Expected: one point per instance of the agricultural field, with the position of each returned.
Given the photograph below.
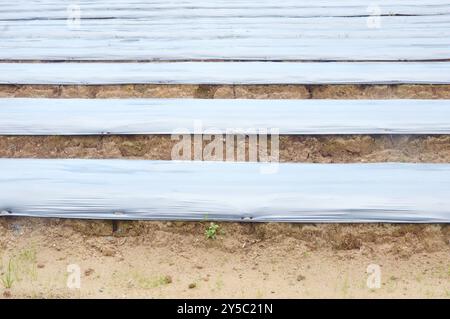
(120, 175)
(234, 260)
(126, 259)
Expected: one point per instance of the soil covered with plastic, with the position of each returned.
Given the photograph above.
(39, 257)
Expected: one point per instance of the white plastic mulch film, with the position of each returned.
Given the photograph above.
(171, 116)
(94, 42)
(266, 30)
(87, 73)
(231, 191)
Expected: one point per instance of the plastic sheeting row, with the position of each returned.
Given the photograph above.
(229, 191)
(196, 116)
(268, 30)
(226, 73)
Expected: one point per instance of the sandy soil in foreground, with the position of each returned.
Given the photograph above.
(175, 259)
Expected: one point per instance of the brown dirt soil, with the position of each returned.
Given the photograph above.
(397, 91)
(162, 259)
(315, 149)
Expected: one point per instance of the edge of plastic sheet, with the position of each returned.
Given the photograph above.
(226, 73)
(235, 116)
(225, 191)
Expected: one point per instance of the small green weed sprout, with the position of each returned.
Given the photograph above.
(211, 231)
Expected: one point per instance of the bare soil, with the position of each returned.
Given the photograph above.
(311, 149)
(397, 91)
(164, 259)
